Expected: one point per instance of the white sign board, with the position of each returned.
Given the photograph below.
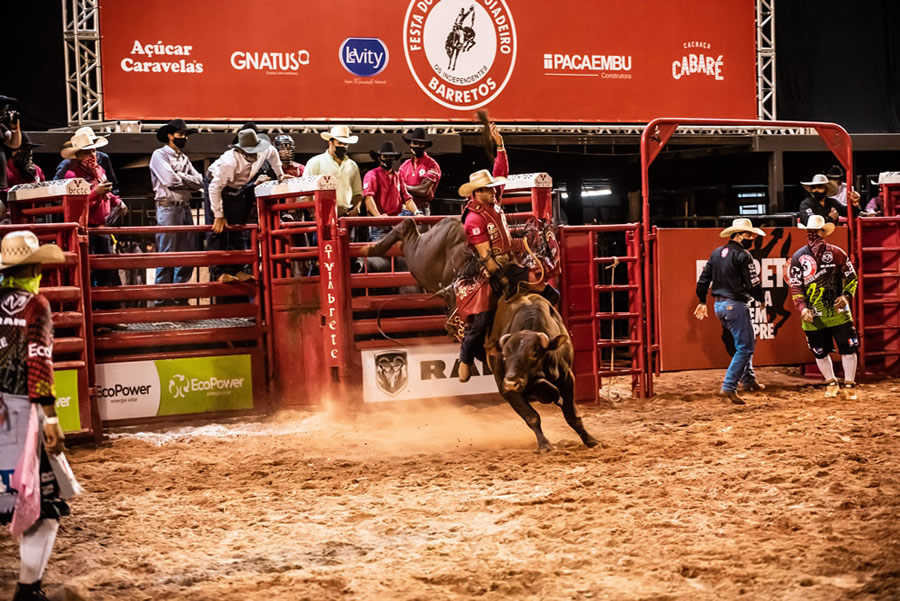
(419, 372)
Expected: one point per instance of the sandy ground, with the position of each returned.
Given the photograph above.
(791, 497)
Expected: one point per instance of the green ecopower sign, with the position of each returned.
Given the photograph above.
(66, 383)
(139, 389)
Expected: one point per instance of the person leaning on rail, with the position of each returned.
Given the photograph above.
(823, 282)
(384, 190)
(421, 173)
(820, 201)
(735, 281)
(174, 179)
(32, 484)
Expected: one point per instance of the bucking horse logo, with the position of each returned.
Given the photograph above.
(461, 38)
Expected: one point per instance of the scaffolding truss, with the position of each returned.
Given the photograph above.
(84, 86)
(765, 60)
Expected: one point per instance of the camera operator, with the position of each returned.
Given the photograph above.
(10, 136)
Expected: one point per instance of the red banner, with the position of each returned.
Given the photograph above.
(686, 343)
(571, 60)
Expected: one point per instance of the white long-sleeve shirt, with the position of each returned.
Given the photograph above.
(172, 175)
(233, 170)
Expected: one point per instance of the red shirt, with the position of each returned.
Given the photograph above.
(99, 203)
(16, 177)
(293, 169)
(387, 189)
(413, 171)
(488, 223)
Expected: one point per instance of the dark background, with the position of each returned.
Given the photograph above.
(836, 60)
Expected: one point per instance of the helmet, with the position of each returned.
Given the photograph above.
(285, 146)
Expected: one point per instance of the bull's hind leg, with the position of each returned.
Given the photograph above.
(397, 233)
(567, 390)
(531, 417)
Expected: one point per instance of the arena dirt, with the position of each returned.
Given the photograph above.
(791, 497)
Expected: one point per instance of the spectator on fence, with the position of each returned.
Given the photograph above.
(10, 135)
(820, 201)
(384, 190)
(33, 482)
(228, 196)
(421, 173)
(174, 179)
(81, 152)
(334, 161)
(284, 144)
(735, 281)
(823, 282)
(20, 168)
(102, 159)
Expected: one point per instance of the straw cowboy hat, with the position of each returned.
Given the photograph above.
(817, 222)
(741, 225)
(84, 139)
(23, 248)
(173, 126)
(251, 142)
(341, 133)
(821, 180)
(480, 179)
(386, 149)
(418, 135)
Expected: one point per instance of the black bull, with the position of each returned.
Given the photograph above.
(530, 354)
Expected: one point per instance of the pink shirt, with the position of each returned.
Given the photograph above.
(16, 177)
(413, 171)
(387, 189)
(99, 203)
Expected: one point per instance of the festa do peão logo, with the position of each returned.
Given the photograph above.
(460, 52)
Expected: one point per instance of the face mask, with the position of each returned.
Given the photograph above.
(819, 196)
(24, 161)
(90, 162)
(418, 151)
(340, 151)
(179, 142)
(387, 164)
(747, 243)
(30, 284)
(816, 242)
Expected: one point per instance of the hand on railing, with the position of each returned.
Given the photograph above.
(219, 225)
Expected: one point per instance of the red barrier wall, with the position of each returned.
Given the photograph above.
(690, 344)
(605, 60)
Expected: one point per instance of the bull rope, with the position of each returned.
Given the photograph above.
(381, 331)
(611, 395)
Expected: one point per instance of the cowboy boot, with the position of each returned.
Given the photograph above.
(465, 372)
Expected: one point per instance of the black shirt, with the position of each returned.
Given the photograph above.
(732, 273)
(810, 207)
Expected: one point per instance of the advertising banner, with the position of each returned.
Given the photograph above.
(137, 389)
(420, 372)
(566, 61)
(686, 343)
(66, 383)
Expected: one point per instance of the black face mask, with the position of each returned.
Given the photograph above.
(387, 164)
(418, 151)
(747, 243)
(819, 196)
(340, 151)
(179, 142)
(24, 161)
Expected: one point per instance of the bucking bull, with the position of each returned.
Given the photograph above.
(528, 349)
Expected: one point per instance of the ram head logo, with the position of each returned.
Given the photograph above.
(391, 374)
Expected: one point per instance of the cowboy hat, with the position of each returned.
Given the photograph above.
(480, 179)
(817, 222)
(173, 126)
(4, 100)
(821, 180)
(22, 248)
(418, 135)
(834, 172)
(741, 225)
(84, 139)
(250, 142)
(341, 133)
(387, 149)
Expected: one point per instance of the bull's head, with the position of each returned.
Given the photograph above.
(523, 354)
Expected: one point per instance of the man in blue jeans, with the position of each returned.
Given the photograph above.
(735, 281)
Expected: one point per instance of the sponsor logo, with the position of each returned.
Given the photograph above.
(180, 385)
(460, 52)
(14, 303)
(809, 267)
(697, 62)
(827, 257)
(13, 321)
(273, 63)
(145, 58)
(63, 401)
(365, 57)
(119, 391)
(39, 350)
(605, 66)
(391, 372)
(724, 253)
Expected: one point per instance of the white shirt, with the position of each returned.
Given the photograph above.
(172, 175)
(349, 184)
(233, 170)
(841, 195)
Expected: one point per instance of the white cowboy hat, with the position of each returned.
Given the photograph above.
(23, 248)
(817, 222)
(741, 225)
(821, 180)
(480, 179)
(84, 139)
(341, 133)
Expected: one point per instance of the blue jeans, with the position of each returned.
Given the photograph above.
(735, 316)
(166, 243)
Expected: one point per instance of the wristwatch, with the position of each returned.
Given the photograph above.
(52, 420)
